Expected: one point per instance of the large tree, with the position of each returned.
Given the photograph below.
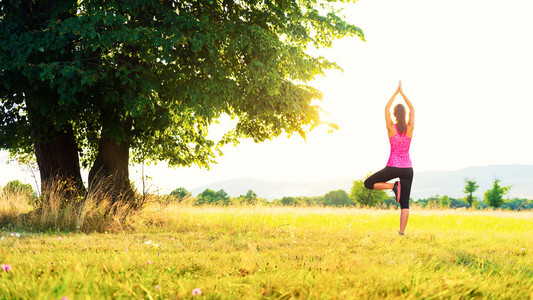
(105, 83)
(37, 113)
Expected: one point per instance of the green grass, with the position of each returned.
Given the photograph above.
(278, 253)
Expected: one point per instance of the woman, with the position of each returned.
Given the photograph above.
(399, 164)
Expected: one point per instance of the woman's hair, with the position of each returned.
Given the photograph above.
(399, 113)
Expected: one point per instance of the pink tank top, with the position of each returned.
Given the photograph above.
(399, 151)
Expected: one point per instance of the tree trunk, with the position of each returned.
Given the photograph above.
(59, 163)
(109, 175)
(56, 152)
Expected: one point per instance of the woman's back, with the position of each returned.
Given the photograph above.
(399, 150)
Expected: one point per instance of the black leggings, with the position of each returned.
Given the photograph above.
(388, 173)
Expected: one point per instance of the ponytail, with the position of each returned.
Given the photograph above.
(399, 113)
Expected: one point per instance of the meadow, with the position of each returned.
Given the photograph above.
(181, 251)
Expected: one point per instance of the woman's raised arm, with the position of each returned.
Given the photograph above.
(388, 119)
(411, 122)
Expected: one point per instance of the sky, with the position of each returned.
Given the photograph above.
(466, 65)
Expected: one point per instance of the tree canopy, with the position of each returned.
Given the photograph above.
(92, 82)
(337, 198)
(209, 196)
(17, 188)
(494, 196)
(470, 187)
(249, 198)
(180, 193)
(364, 196)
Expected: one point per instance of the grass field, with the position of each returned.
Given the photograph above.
(277, 253)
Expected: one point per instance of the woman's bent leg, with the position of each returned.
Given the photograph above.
(378, 180)
(383, 186)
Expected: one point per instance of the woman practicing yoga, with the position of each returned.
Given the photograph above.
(399, 164)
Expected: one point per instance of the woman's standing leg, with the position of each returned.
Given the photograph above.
(406, 180)
(378, 181)
(404, 217)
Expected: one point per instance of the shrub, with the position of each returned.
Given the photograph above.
(180, 194)
(338, 198)
(19, 189)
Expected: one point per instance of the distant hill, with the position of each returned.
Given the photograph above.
(425, 184)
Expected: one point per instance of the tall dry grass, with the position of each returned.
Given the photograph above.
(13, 203)
(100, 211)
(58, 210)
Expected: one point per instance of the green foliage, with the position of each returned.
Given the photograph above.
(211, 197)
(364, 196)
(28, 163)
(517, 204)
(289, 201)
(470, 187)
(20, 189)
(444, 201)
(494, 196)
(480, 205)
(158, 74)
(390, 202)
(432, 202)
(458, 203)
(180, 193)
(337, 198)
(309, 201)
(298, 201)
(250, 198)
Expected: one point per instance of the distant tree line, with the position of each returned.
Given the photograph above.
(338, 198)
(359, 196)
(362, 197)
(211, 197)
